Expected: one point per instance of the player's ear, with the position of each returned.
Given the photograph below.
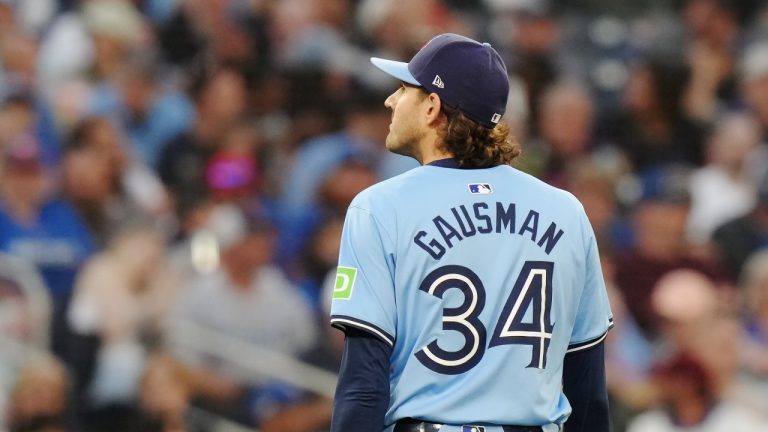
(433, 108)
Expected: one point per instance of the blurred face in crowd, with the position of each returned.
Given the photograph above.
(710, 22)
(756, 95)
(24, 185)
(595, 190)
(164, 390)
(686, 301)
(536, 34)
(224, 98)
(105, 138)
(86, 176)
(754, 284)
(7, 18)
(566, 120)
(91, 171)
(40, 392)
(16, 117)
(19, 56)
(691, 309)
(660, 226)
(256, 249)
(735, 138)
(333, 12)
(639, 94)
(138, 92)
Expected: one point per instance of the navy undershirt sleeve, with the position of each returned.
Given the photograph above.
(584, 386)
(362, 392)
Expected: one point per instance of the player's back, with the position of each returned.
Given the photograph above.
(488, 268)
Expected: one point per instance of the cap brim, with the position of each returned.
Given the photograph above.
(397, 69)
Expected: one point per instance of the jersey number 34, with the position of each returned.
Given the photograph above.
(533, 289)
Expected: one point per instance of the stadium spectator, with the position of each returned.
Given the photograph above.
(628, 356)
(146, 109)
(565, 132)
(220, 100)
(725, 187)
(659, 219)
(651, 127)
(200, 33)
(696, 375)
(40, 399)
(695, 317)
(250, 299)
(233, 173)
(754, 286)
(20, 90)
(691, 403)
(21, 112)
(121, 301)
(166, 390)
(738, 238)
(90, 43)
(753, 71)
(106, 186)
(40, 228)
(594, 181)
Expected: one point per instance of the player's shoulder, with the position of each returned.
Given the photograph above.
(543, 190)
(387, 191)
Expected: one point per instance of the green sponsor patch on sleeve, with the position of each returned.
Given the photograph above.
(345, 280)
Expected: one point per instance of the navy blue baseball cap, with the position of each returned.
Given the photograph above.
(467, 75)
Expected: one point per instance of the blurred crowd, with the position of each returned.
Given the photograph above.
(166, 163)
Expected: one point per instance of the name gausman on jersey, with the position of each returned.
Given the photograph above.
(482, 218)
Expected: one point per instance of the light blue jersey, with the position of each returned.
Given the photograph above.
(481, 280)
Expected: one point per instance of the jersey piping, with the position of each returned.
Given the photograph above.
(342, 321)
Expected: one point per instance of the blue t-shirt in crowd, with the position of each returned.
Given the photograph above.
(170, 114)
(57, 243)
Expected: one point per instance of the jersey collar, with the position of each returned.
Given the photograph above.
(449, 163)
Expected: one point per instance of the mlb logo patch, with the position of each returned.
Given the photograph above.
(472, 429)
(480, 188)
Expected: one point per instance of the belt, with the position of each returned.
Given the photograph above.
(413, 425)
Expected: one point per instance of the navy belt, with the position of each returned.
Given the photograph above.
(413, 425)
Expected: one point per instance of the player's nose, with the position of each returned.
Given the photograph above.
(390, 101)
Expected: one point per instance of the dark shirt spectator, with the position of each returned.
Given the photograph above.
(220, 100)
(650, 127)
(737, 239)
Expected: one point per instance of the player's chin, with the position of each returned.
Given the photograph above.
(391, 143)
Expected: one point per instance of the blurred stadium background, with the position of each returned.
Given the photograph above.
(174, 176)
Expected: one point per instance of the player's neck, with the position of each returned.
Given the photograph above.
(432, 152)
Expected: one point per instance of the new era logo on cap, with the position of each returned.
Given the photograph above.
(438, 82)
(495, 118)
(472, 429)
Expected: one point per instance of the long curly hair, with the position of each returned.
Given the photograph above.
(476, 146)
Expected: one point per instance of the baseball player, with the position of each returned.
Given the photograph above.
(470, 293)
